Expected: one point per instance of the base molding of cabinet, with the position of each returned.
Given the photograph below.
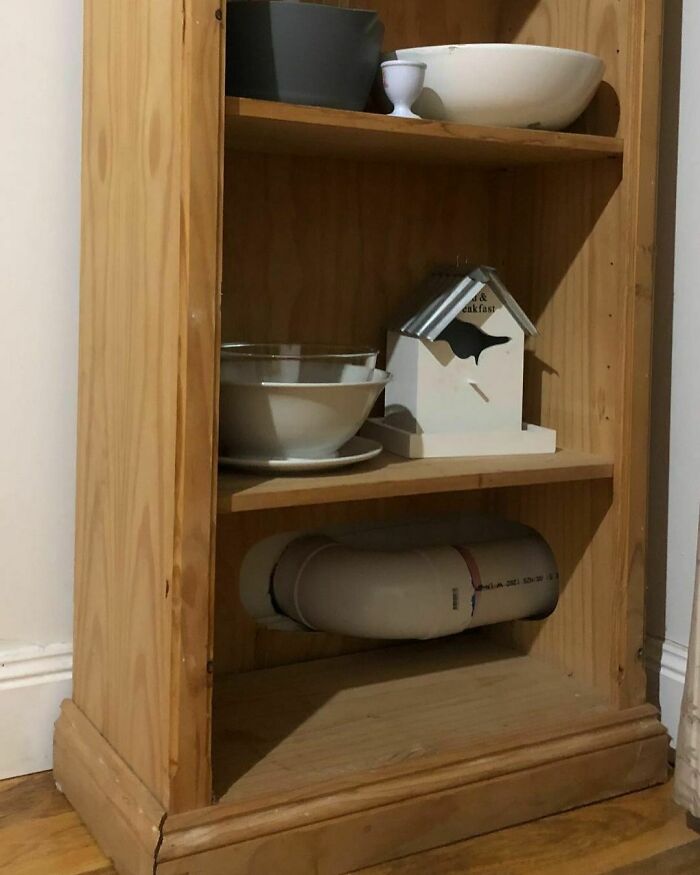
(338, 832)
(124, 818)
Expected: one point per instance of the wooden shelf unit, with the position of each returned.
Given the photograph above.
(198, 741)
(391, 476)
(279, 128)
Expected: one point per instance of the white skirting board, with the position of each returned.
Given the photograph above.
(34, 680)
(666, 668)
(533, 439)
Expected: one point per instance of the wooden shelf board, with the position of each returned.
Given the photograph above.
(269, 127)
(305, 729)
(389, 476)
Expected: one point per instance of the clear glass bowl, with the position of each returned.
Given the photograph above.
(247, 363)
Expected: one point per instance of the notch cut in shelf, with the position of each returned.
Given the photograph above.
(282, 128)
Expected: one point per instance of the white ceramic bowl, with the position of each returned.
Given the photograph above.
(294, 420)
(505, 85)
(296, 363)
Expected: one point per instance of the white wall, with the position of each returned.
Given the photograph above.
(684, 477)
(40, 96)
(675, 484)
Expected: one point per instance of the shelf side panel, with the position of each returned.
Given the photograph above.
(128, 378)
(321, 249)
(198, 393)
(147, 316)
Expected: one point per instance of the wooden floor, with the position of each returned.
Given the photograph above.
(641, 834)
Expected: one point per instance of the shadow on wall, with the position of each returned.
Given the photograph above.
(663, 334)
(513, 17)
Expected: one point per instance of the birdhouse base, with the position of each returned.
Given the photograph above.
(531, 440)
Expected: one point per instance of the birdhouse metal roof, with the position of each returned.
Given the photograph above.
(448, 291)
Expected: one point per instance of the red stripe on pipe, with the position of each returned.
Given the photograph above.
(470, 561)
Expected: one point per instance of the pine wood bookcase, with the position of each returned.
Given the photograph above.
(197, 742)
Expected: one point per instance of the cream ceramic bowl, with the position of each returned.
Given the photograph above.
(505, 85)
(294, 420)
(296, 363)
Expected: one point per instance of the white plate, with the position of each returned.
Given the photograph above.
(357, 449)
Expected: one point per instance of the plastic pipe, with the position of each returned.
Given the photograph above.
(430, 593)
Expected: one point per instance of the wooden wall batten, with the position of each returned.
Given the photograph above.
(151, 183)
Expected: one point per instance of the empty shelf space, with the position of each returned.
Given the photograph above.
(269, 127)
(390, 476)
(339, 723)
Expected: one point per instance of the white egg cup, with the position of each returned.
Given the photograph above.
(403, 83)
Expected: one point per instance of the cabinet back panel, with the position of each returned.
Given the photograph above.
(560, 250)
(327, 250)
(433, 22)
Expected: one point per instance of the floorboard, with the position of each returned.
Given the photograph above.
(601, 839)
(640, 834)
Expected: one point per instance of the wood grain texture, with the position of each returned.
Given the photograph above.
(127, 417)
(641, 172)
(557, 233)
(498, 756)
(59, 845)
(640, 834)
(337, 247)
(678, 861)
(576, 520)
(147, 397)
(285, 730)
(569, 263)
(329, 249)
(391, 476)
(40, 833)
(270, 128)
(192, 594)
(119, 810)
(324, 249)
(412, 23)
(335, 846)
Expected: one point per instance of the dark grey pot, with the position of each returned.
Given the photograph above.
(302, 53)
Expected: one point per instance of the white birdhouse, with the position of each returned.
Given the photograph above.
(457, 367)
